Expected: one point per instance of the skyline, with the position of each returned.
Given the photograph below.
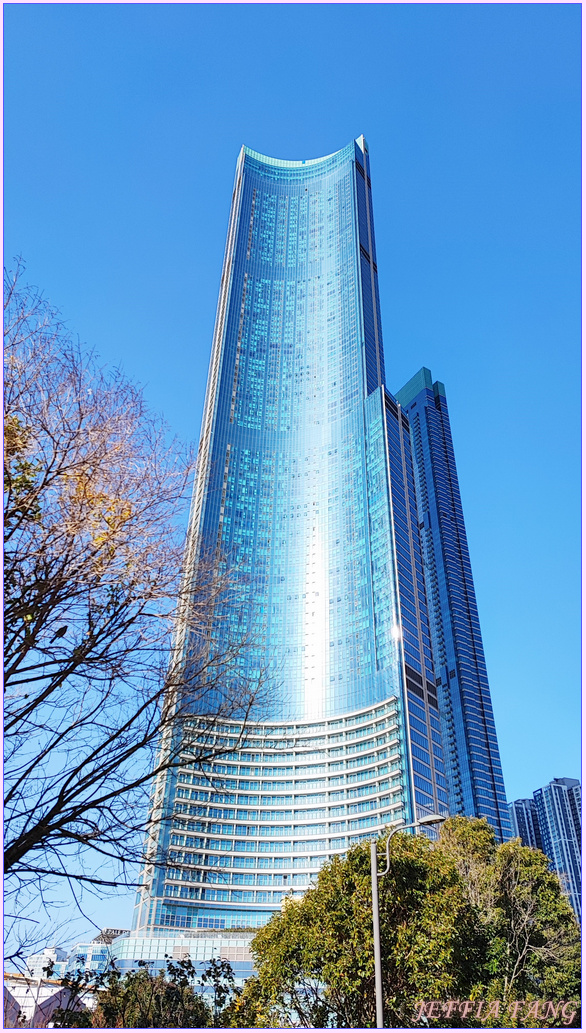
(455, 272)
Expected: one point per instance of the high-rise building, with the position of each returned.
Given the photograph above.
(559, 812)
(525, 823)
(471, 752)
(306, 487)
(305, 484)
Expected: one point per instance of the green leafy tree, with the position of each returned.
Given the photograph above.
(81, 984)
(218, 975)
(532, 935)
(315, 958)
(462, 919)
(250, 1008)
(139, 999)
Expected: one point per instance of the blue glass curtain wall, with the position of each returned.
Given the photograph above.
(286, 502)
(305, 490)
(473, 767)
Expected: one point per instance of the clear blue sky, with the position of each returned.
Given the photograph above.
(122, 128)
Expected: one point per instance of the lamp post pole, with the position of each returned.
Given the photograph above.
(378, 969)
(375, 875)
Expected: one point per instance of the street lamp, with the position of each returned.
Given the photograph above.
(375, 875)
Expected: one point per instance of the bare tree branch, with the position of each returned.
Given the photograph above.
(113, 668)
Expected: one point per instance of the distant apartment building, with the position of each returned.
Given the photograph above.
(552, 821)
(525, 823)
(49, 962)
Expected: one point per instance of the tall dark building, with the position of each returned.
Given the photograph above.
(473, 766)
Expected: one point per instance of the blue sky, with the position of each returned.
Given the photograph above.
(122, 127)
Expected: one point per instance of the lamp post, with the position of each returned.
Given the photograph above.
(375, 875)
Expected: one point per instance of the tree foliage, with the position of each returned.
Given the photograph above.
(462, 919)
(219, 978)
(138, 999)
(533, 943)
(252, 1008)
(99, 615)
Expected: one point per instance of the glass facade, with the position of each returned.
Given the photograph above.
(199, 947)
(307, 490)
(283, 489)
(525, 823)
(559, 813)
(473, 766)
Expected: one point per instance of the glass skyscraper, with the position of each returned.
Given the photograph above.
(559, 813)
(472, 759)
(306, 487)
(525, 823)
(552, 822)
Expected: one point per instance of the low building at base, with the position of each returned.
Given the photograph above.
(32, 1002)
(198, 945)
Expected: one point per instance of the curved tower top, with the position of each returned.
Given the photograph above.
(306, 163)
(281, 490)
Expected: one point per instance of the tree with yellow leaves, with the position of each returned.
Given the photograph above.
(97, 694)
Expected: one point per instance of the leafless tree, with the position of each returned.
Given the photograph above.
(102, 680)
